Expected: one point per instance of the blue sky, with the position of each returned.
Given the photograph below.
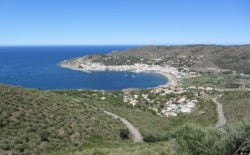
(98, 22)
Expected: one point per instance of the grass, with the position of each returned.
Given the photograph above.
(236, 105)
(158, 148)
(217, 80)
(151, 124)
(39, 121)
(55, 122)
(188, 139)
(144, 119)
(194, 140)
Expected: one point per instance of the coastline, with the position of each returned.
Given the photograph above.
(172, 80)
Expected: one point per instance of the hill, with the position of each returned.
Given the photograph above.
(185, 134)
(33, 121)
(196, 56)
(178, 118)
(64, 122)
(202, 58)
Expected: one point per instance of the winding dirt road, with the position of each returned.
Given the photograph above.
(137, 137)
(219, 109)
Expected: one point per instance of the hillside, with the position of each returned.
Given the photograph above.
(236, 105)
(200, 56)
(196, 57)
(142, 115)
(172, 135)
(49, 122)
(74, 121)
(162, 113)
(33, 121)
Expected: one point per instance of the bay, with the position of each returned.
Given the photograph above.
(36, 67)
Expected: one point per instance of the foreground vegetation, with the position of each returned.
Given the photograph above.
(146, 120)
(38, 121)
(193, 139)
(64, 122)
(162, 148)
(198, 136)
(236, 105)
(189, 139)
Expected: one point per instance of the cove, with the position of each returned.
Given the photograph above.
(36, 67)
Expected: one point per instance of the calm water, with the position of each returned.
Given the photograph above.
(36, 67)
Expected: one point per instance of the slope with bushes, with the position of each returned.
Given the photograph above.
(148, 123)
(236, 105)
(196, 56)
(38, 121)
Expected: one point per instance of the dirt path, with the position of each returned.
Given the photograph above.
(136, 135)
(219, 109)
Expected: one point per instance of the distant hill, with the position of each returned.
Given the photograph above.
(33, 121)
(203, 56)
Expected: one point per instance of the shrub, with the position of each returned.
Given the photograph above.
(44, 135)
(150, 138)
(124, 133)
(194, 139)
(20, 147)
(5, 146)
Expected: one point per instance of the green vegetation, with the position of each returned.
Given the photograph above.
(145, 119)
(33, 121)
(195, 140)
(217, 80)
(158, 148)
(236, 105)
(201, 58)
(151, 124)
(124, 134)
(234, 59)
(195, 56)
(188, 139)
(72, 122)
(64, 122)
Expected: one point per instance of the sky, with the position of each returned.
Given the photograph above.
(124, 22)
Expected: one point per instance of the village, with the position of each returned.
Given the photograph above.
(170, 99)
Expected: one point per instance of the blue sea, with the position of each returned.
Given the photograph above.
(36, 67)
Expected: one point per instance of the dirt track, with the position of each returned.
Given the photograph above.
(137, 137)
(219, 109)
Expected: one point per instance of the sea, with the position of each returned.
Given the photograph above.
(36, 67)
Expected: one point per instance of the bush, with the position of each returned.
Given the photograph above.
(20, 147)
(5, 146)
(124, 134)
(195, 140)
(44, 135)
(165, 137)
(150, 138)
